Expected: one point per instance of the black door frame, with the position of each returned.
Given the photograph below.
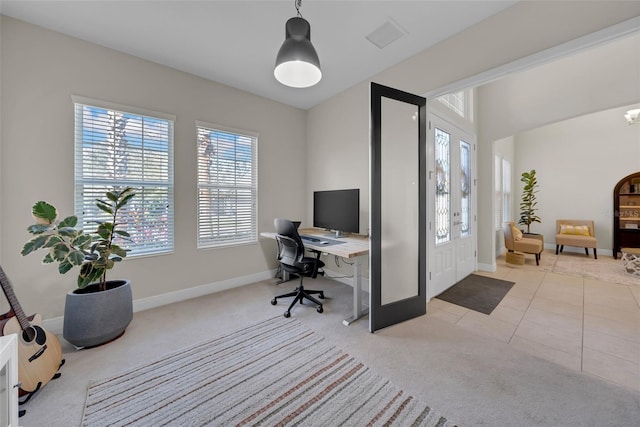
(381, 316)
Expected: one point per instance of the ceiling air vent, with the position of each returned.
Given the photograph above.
(385, 34)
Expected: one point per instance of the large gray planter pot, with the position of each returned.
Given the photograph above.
(93, 317)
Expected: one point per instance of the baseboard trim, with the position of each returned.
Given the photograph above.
(578, 250)
(55, 325)
(487, 267)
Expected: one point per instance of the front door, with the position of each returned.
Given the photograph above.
(452, 215)
(398, 207)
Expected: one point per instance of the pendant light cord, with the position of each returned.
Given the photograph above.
(298, 4)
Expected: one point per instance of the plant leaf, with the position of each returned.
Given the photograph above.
(39, 228)
(88, 274)
(64, 267)
(76, 257)
(59, 252)
(117, 250)
(105, 207)
(112, 195)
(82, 241)
(125, 200)
(33, 244)
(43, 212)
(52, 241)
(70, 221)
(122, 233)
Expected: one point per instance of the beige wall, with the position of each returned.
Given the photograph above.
(40, 71)
(597, 79)
(596, 82)
(522, 30)
(578, 162)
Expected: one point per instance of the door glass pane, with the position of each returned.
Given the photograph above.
(443, 194)
(465, 189)
(400, 192)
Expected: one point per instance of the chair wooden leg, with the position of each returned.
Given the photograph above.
(537, 259)
(557, 247)
(595, 253)
(586, 251)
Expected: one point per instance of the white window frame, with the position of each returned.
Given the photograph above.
(164, 215)
(460, 102)
(504, 196)
(507, 194)
(210, 232)
(497, 171)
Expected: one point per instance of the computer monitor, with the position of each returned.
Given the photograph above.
(337, 210)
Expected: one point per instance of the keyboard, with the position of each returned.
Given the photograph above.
(309, 239)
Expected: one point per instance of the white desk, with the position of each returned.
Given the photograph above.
(355, 248)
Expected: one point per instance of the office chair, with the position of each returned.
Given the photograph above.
(292, 260)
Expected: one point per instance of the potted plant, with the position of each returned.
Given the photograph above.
(528, 205)
(99, 310)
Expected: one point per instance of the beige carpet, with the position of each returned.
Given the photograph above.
(473, 380)
(276, 372)
(574, 264)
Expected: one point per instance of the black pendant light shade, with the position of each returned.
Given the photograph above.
(297, 63)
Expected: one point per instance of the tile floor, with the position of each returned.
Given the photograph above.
(589, 325)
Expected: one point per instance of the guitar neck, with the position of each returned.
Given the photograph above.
(13, 300)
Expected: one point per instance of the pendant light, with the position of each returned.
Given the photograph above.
(297, 63)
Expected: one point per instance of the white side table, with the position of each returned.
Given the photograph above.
(631, 260)
(9, 381)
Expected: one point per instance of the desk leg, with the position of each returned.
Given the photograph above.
(358, 312)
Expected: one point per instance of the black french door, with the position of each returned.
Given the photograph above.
(398, 207)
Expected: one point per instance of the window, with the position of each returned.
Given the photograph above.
(503, 191)
(443, 178)
(460, 103)
(506, 191)
(116, 148)
(227, 186)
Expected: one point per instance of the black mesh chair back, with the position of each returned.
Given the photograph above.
(291, 250)
(291, 253)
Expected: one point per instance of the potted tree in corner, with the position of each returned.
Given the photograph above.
(528, 205)
(99, 310)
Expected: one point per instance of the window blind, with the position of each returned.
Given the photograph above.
(115, 149)
(227, 186)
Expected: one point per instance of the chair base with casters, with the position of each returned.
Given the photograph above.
(300, 294)
(291, 253)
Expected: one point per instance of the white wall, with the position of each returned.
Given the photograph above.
(578, 162)
(40, 70)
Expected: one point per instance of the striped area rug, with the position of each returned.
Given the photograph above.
(274, 373)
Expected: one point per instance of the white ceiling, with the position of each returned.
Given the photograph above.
(236, 42)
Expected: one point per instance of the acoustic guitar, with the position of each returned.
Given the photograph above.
(39, 351)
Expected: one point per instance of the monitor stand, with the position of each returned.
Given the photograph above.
(339, 234)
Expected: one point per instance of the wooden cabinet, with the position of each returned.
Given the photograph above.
(626, 213)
